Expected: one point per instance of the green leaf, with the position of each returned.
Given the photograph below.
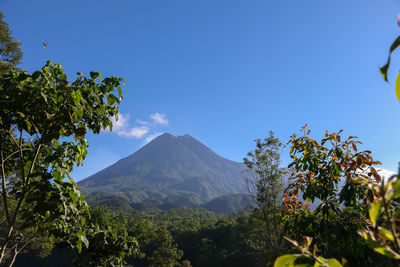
(397, 86)
(52, 239)
(384, 69)
(333, 263)
(119, 93)
(328, 262)
(83, 220)
(386, 234)
(374, 212)
(286, 260)
(387, 252)
(396, 188)
(79, 246)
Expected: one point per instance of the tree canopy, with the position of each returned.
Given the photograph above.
(10, 51)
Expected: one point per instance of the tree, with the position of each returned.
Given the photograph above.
(264, 183)
(165, 253)
(324, 172)
(43, 122)
(108, 238)
(10, 51)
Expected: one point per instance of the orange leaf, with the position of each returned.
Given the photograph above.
(354, 147)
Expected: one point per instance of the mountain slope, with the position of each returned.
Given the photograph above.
(228, 203)
(169, 166)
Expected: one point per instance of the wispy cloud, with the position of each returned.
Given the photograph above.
(142, 122)
(123, 128)
(159, 118)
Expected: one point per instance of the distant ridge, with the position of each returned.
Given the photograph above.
(169, 166)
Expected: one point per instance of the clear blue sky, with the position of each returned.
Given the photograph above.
(225, 72)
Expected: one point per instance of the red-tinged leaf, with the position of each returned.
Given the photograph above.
(354, 147)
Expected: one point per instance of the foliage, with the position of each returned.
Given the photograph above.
(264, 183)
(385, 68)
(324, 172)
(157, 246)
(383, 232)
(289, 260)
(10, 51)
(165, 253)
(43, 122)
(109, 241)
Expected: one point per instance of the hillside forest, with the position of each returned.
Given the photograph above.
(334, 208)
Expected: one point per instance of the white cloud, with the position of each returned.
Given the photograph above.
(142, 122)
(121, 123)
(123, 128)
(385, 173)
(159, 118)
(136, 132)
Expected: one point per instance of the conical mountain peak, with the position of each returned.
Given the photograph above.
(169, 165)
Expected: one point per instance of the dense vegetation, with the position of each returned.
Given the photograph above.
(45, 220)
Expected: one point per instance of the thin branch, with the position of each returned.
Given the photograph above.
(15, 152)
(26, 184)
(19, 146)
(4, 190)
(3, 249)
(26, 243)
(15, 255)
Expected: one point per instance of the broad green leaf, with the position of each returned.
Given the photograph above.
(387, 252)
(396, 188)
(386, 234)
(317, 264)
(286, 260)
(397, 86)
(374, 212)
(328, 262)
(333, 263)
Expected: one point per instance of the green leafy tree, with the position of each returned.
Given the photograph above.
(265, 186)
(324, 172)
(109, 241)
(43, 122)
(165, 253)
(10, 51)
(382, 234)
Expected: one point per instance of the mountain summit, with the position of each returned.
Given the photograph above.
(169, 166)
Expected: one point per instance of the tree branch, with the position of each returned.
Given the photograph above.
(26, 184)
(4, 190)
